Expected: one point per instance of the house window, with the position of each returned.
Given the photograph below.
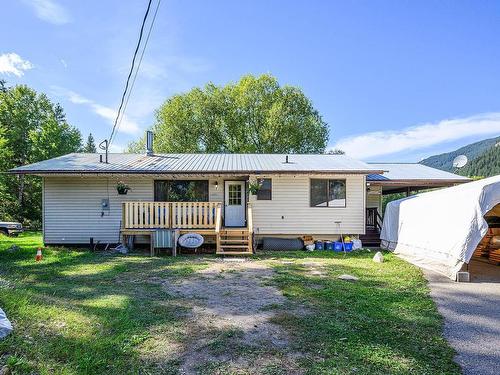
(234, 195)
(265, 189)
(328, 193)
(181, 191)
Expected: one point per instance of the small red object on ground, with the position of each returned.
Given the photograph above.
(39, 254)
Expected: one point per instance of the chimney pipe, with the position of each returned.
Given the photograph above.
(149, 143)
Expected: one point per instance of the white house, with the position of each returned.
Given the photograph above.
(318, 195)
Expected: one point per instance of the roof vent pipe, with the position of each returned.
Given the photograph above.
(286, 159)
(149, 143)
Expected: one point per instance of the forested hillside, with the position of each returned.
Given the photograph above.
(485, 165)
(472, 151)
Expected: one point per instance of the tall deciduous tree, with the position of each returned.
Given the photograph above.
(32, 128)
(90, 145)
(253, 115)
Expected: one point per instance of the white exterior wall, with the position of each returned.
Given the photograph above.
(374, 198)
(72, 207)
(289, 211)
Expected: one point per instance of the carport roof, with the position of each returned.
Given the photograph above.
(412, 172)
(399, 177)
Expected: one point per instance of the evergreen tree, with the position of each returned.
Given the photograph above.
(90, 145)
(486, 165)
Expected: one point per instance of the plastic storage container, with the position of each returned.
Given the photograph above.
(329, 245)
(337, 246)
(320, 245)
(348, 246)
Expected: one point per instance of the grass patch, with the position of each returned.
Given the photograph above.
(385, 323)
(82, 312)
(78, 312)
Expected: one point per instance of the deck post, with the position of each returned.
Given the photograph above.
(218, 224)
(250, 226)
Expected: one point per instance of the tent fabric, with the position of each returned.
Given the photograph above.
(440, 230)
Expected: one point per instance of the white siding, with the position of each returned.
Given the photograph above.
(289, 211)
(72, 207)
(374, 198)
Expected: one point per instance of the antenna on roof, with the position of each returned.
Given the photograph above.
(459, 162)
(104, 146)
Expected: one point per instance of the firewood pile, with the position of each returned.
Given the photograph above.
(489, 247)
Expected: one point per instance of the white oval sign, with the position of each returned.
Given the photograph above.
(191, 240)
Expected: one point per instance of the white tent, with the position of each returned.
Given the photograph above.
(440, 230)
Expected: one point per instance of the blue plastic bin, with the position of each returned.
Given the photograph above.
(337, 246)
(348, 246)
(320, 245)
(329, 245)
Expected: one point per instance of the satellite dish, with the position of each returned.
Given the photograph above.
(459, 161)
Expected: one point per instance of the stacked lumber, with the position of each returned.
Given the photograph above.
(494, 256)
(482, 250)
(489, 247)
(494, 247)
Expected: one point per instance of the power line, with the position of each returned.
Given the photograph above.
(138, 67)
(130, 73)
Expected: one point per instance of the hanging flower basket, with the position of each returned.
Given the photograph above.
(253, 188)
(122, 188)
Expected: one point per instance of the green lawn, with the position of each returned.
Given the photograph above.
(78, 312)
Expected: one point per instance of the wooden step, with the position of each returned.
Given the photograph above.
(233, 240)
(234, 246)
(234, 253)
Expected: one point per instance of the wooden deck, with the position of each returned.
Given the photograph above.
(204, 218)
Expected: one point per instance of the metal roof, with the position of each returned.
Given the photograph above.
(198, 163)
(411, 172)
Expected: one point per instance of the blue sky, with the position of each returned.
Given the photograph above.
(395, 80)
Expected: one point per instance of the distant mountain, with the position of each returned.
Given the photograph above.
(485, 165)
(473, 151)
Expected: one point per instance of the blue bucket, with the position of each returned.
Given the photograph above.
(337, 246)
(320, 245)
(348, 246)
(328, 245)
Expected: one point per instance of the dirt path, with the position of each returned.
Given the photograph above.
(229, 329)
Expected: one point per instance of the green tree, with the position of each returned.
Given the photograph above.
(32, 128)
(253, 115)
(90, 145)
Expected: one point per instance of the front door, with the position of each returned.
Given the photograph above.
(234, 203)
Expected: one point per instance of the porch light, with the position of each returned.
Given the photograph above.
(216, 185)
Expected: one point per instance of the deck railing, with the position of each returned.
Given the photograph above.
(188, 215)
(373, 218)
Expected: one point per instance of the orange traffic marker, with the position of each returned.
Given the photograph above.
(39, 254)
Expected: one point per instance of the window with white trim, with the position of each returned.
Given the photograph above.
(328, 193)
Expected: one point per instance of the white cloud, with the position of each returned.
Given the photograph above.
(50, 11)
(126, 126)
(172, 66)
(12, 63)
(373, 144)
(117, 148)
(64, 63)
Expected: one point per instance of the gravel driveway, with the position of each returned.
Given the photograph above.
(472, 318)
